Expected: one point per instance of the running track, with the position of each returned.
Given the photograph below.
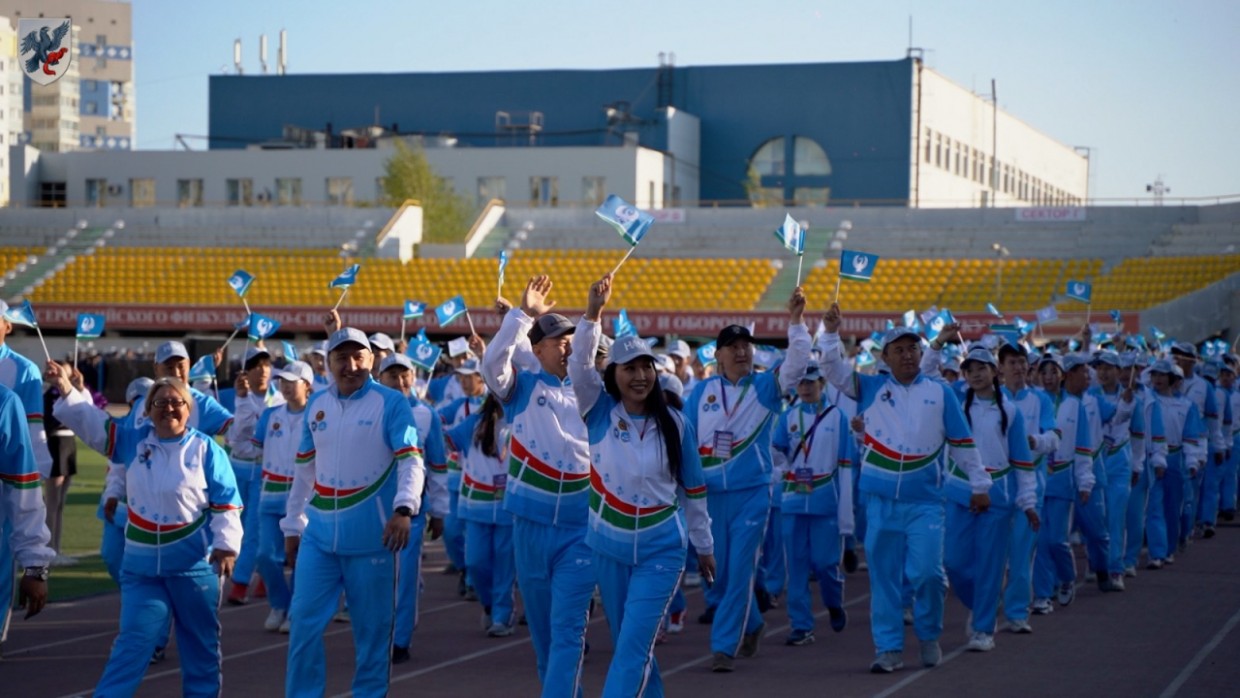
(1174, 632)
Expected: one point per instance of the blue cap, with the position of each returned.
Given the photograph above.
(346, 335)
(137, 388)
(1108, 357)
(254, 353)
(382, 341)
(468, 367)
(395, 360)
(981, 354)
(1184, 349)
(951, 364)
(812, 373)
(899, 333)
(1210, 369)
(628, 348)
(296, 371)
(171, 350)
(1051, 359)
(1072, 361)
(671, 383)
(1128, 359)
(1166, 366)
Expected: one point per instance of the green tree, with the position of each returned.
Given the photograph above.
(407, 175)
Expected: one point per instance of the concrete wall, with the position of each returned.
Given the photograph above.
(1198, 315)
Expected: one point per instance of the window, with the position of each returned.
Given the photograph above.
(189, 192)
(779, 180)
(491, 188)
(288, 191)
(808, 158)
(927, 156)
(339, 191)
(544, 192)
(593, 190)
(91, 108)
(141, 192)
(240, 192)
(769, 160)
(96, 192)
(52, 194)
(938, 150)
(810, 196)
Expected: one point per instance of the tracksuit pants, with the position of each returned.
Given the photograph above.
(1211, 490)
(738, 523)
(250, 485)
(1118, 491)
(1134, 530)
(270, 560)
(555, 570)
(368, 582)
(1189, 496)
(1022, 547)
(492, 567)
(773, 566)
(1053, 566)
(7, 579)
(454, 528)
(1091, 518)
(1227, 489)
(409, 583)
(975, 555)
(812, 545)
(146, 605)
(904, 541)
(1166, 503)
(636, 598)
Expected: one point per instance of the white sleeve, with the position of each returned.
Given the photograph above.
(410, 481)
(1026, 489)
(797, 358)
(497, 360)
(845, 506)
(587, 383)
(833, 366)
(114, 482)
(294, 521)
(77, 411)
(242, 430)
(932, 362)
(699, 524)
(437, 493)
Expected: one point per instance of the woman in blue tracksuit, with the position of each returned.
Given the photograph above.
(1186, 454)
(481, 439)
(647, 495)
(816, 503)
(183, 500)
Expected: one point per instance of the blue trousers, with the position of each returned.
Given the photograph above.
(7, 584)
(738, 522)
(492, 567)
(1053, 564)
(1022, 546)
(1118, 491)
(250, 484)
(636, 598)
(773, 566)
(904, 541)
(555, 569)
(454, 531)
(1190, 497)
(975, 555)
(1091, 517)
(409, 584)
(368, 582)
(812, 545)
(1134, 529)
(146, 605)
(270, 560)
(1211, 490)
(1166, 503)
(1227, 489)
(112, 550)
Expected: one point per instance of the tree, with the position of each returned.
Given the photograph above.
(407, 175)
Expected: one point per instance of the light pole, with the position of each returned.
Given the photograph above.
(1000, 253)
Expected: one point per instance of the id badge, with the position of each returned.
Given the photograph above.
(723, 445)
(500, 482)
(804, 478)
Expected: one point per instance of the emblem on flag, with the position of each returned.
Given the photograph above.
(347, 278)
(857, 266)
(413, 309)
(89, 326)
(706, 354)
(203, 369)
(622, 325)
(423, 353)
(450, 310)
(240, 282)
(1080, 291)
(631, 223)
(792, 235)
(21, 315)
(1048, 314)
(261, 327)
(46, 48)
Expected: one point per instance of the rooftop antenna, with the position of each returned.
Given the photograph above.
(262, 52)
(237, 57)
(282, 54)
(1159, 189)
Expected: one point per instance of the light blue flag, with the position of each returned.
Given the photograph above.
(990, 308)
(203, 369)
(1008, 333)
(423, 353)
(1022, 324)
(792, 235)
(240, 282)
(89, 326)
(706, 353)
(631, 223)
(450, 310)
(421, 335)
(857, 266)
(890, 326)
(1074, 344)
(503, 264)
(290, 351)
(1137, 342)
(928, 315)
(1048, 314)
(1080, 291)
(865, 358)
(413, 309)
(909, 319)
(261, 327)
(935, 327)
(622, 326)
(1158, 334)
(347, 278)
(1117, 317)
(21, 315)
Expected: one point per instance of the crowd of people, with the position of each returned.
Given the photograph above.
(953, 465)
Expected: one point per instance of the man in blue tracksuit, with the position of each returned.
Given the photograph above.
(1201, 393)
(910, 420)
(1117, 457)
(1227, 489)
(732, 414)
(356, 487)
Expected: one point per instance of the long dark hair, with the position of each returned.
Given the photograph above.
(488, 421)
(968, 402)
(657, 408)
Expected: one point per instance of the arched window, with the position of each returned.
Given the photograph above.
(789, 169)
(769, 160)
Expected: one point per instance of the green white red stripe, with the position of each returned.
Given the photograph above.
(477, 491)
(21, 481)
(336, 498)
(147, 532)
(884, 457)
(707, 453)
(273, 482)
(540, 475)
(621, 514)
(695, 492)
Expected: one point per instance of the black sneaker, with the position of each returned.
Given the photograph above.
(1207, 531)
(764, 599)
(1227, 514)
(400, 655)
(750, 642)
(721, 663)
(462, 587)
(708, 616)
(798, 638)
(158, 656)
(850, 561)
(839, 618)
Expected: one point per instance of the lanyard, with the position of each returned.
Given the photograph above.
(807, 437)
(723, 391)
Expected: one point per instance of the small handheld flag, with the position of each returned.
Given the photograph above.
(935, 327)
(290, 351)
(855, 266)
(865, 358)
(345, 280)
(928, 315)
(890, 326)
(503, 264)
(89, 326)
(1080, 291)
(1021, 324)
(622, 326)
(450, 310)
(413, 309)
(631, 223)
(24, 315)
(261, 327)
(1158, 334)
(792, 236)
(423, 353)
(240, 282)
(1048, 314)
(203, 369)
(706, 353)
(909, 319)
(990, 308)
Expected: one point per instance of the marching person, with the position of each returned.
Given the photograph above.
(816, 506)
(1149, 454)
(1186, 455)
(177, 481)
(646, 490)
(732, 414)
(1227, 489)
(1216, 460)
(356, 487)
(547, 489)
(473, 392)
(1117, 455)
(21, 505)
(1202, 395)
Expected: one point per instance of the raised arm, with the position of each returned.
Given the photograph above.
(497, 362)
(799, 344)
(836, 370)
(587, 383)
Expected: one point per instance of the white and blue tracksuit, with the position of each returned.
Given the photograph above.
(976, 551)
(1071, 472)
(1201, 393)
(247, 462)
(547, 492)
(1186, 449)
(489, 552)
(1149, 452)
(358, 460)
(453, 414)
(815, 503)
(434, 504)
(183, 499)
(1038, 412)
(733, 426)
(641, 519)
(907, 429)
(1117, 461)
(21, 500)
(276, 435)
(112, 545)
(1213, 472)
(1227, 496)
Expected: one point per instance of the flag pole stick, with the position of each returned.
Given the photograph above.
(75, 350)
(246, 303)
(402, 327)
(341, 298)
(470, 320)
(623, 259)
(800, 259)
(47, 353)
(837, 287)
(1088, 308)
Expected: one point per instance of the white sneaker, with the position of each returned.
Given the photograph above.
(274, 620)
(1130, 571)
(1041, 607)
(342, 616)
(1020, 627)
(981, 642)
(284, 627)
(693, 580)
(499, 630)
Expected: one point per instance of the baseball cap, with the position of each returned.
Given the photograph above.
(663, 363)
(137, 388)
(980, 354)
(318, 349)
(252, 354)
(1107, 357)
(680, 348)
(733, 333)
(1009, 348)
(604, 345)
(380, 340)
(345, 335)
(952, 364)
(1051, 359)
(395, 360)
(1184, 349)
(628, 348)
(296, 371)
(1167, 367)
(812, 373)
(1072, 361)
(899, 333)
(1210, 369)
(671, 384)
(550, 326)
(469, 367)
(171, 350)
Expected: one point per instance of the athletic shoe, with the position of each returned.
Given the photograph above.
(1154, 565)
(1020, 627)
(285, 626)
(1207, 531)
(400, 655)
(1117, 582)
(750, 642)
(485, 619)
(1066, 593)
(764, 599)
(1104, 581)
(158, 656)
(693, 580)
(981, 642)
(274, 620)
(676, 622)
(850, 561)
(908, 616)
(708, 616)
(931, 653)
(1041, 607)
(661, 636)
(721, 663)
(342, 616)
(450, 569)
(236, 597)
(1227, 514)
(886, 662)
(799, 638)
(839, 618)
(1130, 571)
(499, 630)
(863, 566)
(775, 600)
(1169, 560)
(462, 587)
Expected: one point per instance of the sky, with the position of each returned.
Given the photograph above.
(1151, 88)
